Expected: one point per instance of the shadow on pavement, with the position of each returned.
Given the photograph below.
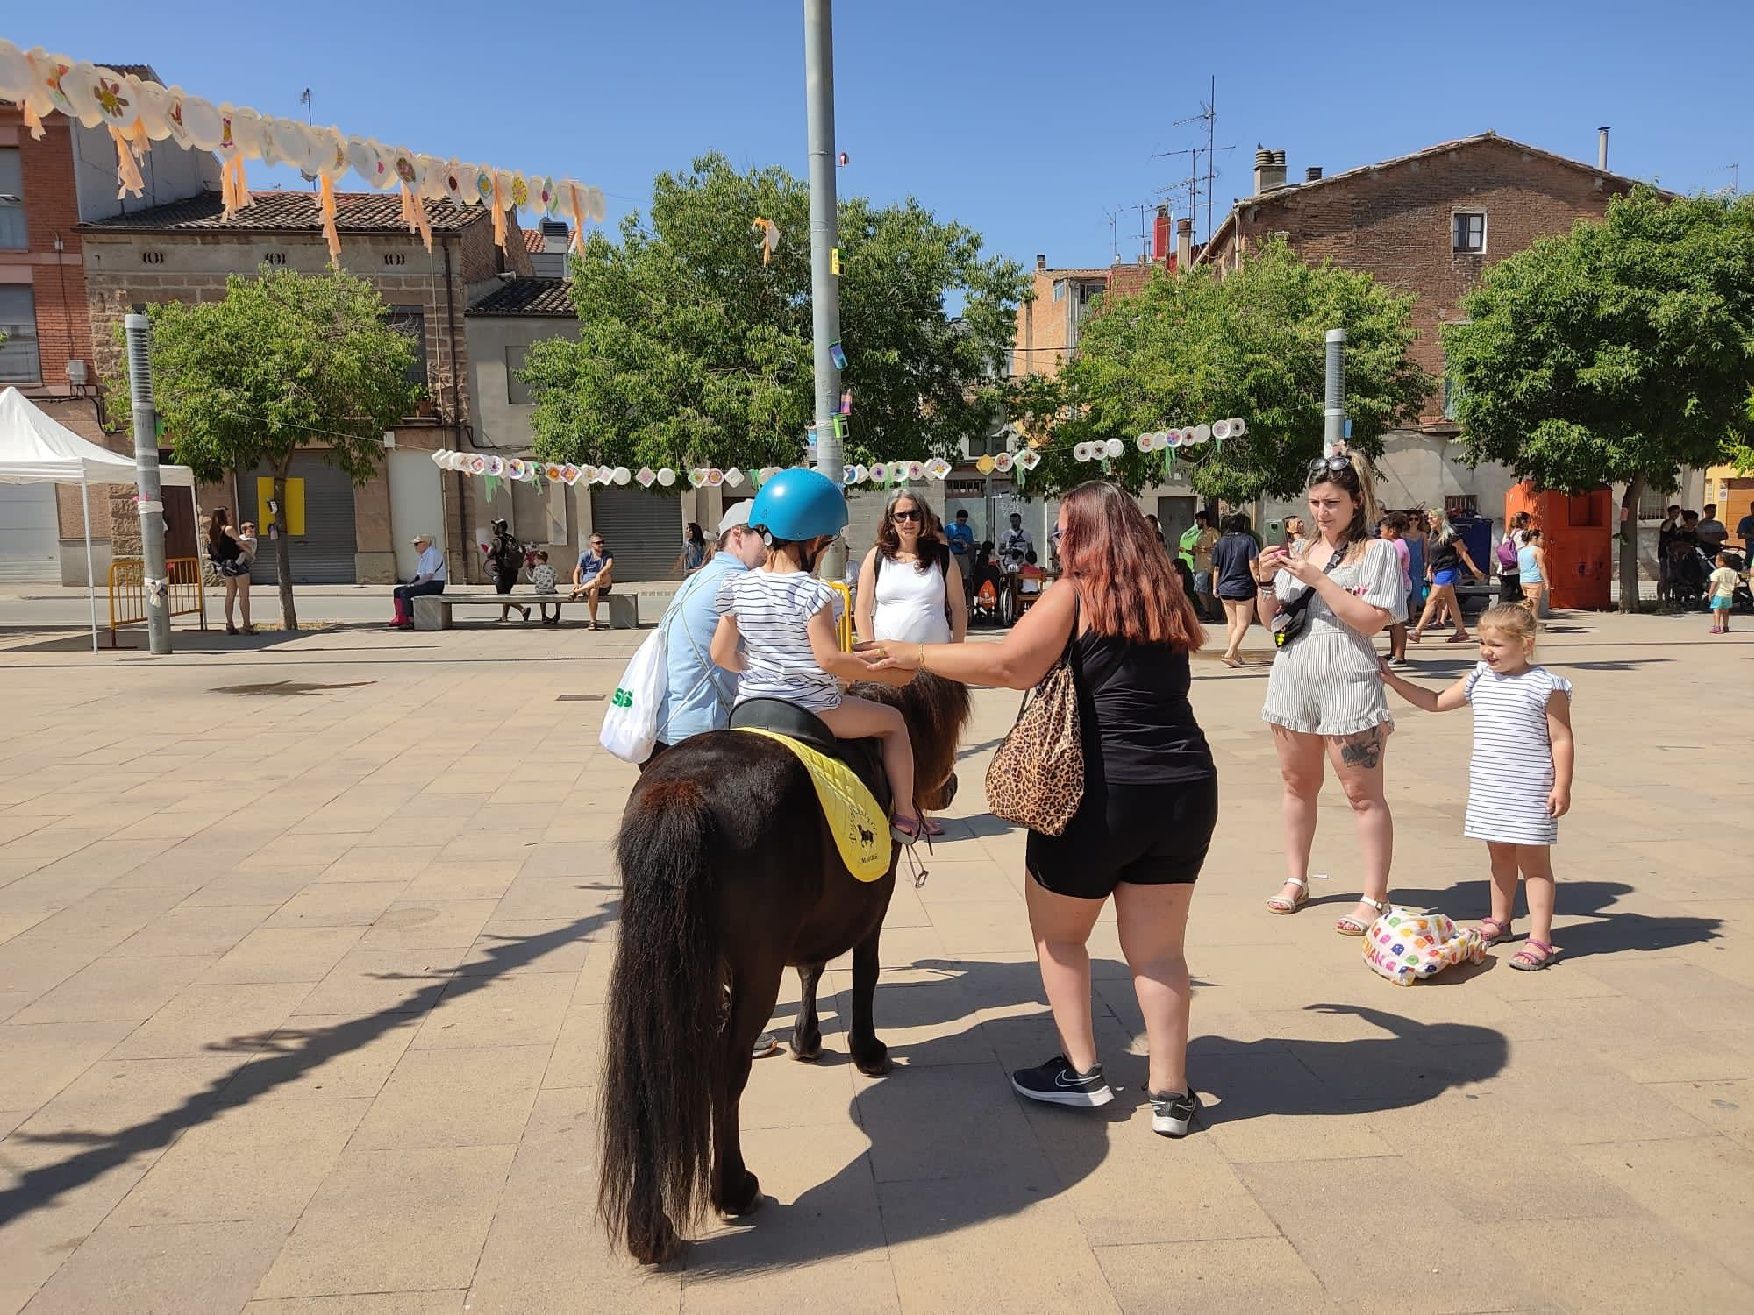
(1609, 933)
(941, 1166)
(269, 1060)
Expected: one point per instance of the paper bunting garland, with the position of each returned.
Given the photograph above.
(138, 112)
(770, 237)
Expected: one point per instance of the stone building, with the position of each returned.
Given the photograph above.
(1429, 222)
(49, 187)
(185, 251)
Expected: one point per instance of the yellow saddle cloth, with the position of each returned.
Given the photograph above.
(861, 831)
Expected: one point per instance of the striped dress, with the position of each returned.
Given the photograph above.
(773, 612)
(1325, 681)
(1512, 767)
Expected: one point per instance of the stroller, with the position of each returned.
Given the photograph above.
(1689, 571)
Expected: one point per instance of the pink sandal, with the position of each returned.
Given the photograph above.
(1534, 956)
(1494, 930)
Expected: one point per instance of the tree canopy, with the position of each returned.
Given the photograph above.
(1622, 351)
(692, 351)
(1199, 345)
(284, 362)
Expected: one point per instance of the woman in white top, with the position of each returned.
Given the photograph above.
(910, 589)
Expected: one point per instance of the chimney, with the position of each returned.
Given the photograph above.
(1602, 148)
(1313, 174)
(1184, 243)
(1269, 171)
(1160, 236)
(1041, 261)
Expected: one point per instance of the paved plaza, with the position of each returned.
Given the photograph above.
(304, 943)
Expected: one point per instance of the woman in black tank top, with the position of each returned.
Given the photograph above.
(1150, 801)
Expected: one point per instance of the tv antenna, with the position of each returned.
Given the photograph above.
(1208, 115)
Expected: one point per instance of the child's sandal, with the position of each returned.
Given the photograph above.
(1534, 956)
(1494, 930)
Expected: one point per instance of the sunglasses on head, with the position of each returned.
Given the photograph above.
(909, 515)
(1329, 465)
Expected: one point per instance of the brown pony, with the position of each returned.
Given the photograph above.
(729, 876)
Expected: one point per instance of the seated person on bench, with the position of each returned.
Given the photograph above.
(593, 576)
(776, 627)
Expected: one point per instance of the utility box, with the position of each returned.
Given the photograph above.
(1577, 530)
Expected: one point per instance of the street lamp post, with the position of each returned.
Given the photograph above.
(158, 604)
(824, 238)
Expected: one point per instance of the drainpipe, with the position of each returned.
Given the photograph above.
(457, 426)
(1602, 148)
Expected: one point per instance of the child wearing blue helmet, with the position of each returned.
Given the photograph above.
(776, 628)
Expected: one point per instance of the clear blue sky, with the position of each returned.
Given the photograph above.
(1026, 120)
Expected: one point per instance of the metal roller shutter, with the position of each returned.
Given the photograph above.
(30, 534)
(324, 553)
(643, 531)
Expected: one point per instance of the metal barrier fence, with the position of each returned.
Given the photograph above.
(128, 604)
(843, 631)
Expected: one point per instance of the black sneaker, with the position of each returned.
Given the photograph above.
(1172, 1112)
(1058, 1083)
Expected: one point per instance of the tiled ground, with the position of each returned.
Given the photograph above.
(300, 988)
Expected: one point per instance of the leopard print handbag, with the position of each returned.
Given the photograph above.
(1036, 777)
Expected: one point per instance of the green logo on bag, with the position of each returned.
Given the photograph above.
(623, 698)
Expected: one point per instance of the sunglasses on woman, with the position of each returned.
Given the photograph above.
(1329, 465)
(909, 515)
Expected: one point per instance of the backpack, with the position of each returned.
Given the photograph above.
(1507, 553)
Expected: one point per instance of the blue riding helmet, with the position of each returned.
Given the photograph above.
(799, 504)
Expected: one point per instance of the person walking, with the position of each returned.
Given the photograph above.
(505, 561)
(1142, 829)
(231, 562)
(1324, 698)
(1394, 531)
(1516, 534)
(1721, 584)
(909, 585)
(1532, 571)
(959, 534)
(1519, 780)
(430, 574)
(1448, 556)
(1233, 558)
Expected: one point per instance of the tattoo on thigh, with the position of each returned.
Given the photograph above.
(1364, 749)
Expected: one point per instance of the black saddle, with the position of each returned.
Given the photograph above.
(798, 723)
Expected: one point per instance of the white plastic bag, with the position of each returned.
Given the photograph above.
(630, 727)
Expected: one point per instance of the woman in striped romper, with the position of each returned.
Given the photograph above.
(1324, 699)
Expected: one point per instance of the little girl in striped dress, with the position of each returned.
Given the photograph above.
(1519, 781)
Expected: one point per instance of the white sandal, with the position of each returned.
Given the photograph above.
(1279, 904)
(1350, 926)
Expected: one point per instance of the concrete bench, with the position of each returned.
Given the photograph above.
(433, 611)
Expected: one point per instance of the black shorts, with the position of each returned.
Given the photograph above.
(1143, 835)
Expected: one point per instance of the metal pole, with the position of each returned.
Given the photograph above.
(824, 238)
(90, 578)
(1334, 399)
(158, 613)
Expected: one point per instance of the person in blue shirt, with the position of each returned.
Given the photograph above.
(593, 576)
(699, 694)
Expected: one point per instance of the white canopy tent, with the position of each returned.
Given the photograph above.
(37, 450)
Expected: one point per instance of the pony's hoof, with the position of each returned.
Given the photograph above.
(744, 1199)
(872, 1060)
(654, 1246)
(807, 1050)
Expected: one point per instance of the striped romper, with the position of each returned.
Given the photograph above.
(1325, 682)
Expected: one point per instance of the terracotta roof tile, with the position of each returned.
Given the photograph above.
(277, 211)
(527, 296)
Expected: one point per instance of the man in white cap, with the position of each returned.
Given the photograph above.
(700, 694)
(429, 578)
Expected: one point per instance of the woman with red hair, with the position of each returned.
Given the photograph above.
(1150, 799)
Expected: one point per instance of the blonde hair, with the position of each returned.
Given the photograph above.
(1512, 619)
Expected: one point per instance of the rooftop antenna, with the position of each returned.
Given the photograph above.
(304, 99)
(1114, 239)
(1208, 115)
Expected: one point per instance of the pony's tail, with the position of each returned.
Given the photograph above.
(665, 1006)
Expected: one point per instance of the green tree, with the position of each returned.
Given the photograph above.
(692, 351)
(286, 362)
(1202, 345)
(1622, 351)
